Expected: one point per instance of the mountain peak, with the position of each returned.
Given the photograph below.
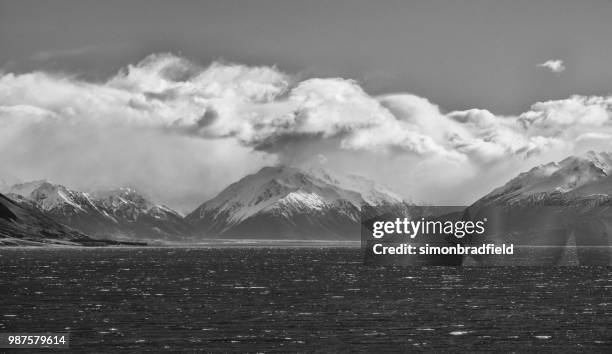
(122, 195)
(48, 196)
(29, 187)
(279, 181)
(289, 193)
(278, 169)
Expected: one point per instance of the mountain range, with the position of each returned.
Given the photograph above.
(274, 203)
(290, 203)
(23, 225)
(121, 214)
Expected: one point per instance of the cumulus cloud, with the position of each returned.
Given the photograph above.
(181, 130)
(556, 66)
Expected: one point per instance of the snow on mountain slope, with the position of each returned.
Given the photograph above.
(556, 204)
(52, 197)
(120, 213)
(573, 177)
(24, 225)
(280, 201)
(369, 192)
(126, 203)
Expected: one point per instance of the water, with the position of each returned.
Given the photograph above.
(297, 299)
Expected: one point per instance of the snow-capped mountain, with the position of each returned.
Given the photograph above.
(290, 203)
(573, 178)
(554, 203)
(121, 213)
(24, 225)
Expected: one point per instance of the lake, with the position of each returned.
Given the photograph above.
(297, 299)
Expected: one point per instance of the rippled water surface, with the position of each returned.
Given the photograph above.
(260, 299)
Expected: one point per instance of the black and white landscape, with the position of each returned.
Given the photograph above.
(283, 203)
(188, 176)
(288, 203)
(23, 225)
(117, 214)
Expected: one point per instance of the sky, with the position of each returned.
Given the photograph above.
(202, 92)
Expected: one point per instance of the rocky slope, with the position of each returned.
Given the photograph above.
(23, 225)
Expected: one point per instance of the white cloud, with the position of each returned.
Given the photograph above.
(587, 111)
(213, 124)
(556, 66)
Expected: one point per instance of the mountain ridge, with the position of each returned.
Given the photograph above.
(23, 225)
(121, 213)
(288, 202)
(572, 178)
(557, 205)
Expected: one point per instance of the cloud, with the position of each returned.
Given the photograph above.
(556, 66)
(181, 130)
(586, 111)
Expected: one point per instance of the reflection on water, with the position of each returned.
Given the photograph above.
(297, 299)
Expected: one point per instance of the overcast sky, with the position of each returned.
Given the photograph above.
(459, 54)
(420, 71)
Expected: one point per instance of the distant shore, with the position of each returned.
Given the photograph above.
(212, 243)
